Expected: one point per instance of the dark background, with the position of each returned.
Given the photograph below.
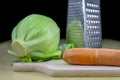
(12, 12)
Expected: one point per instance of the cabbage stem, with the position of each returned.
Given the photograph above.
(19, 48)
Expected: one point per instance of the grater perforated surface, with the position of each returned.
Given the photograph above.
(87, 12)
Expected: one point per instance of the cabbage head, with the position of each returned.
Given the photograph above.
(35, 38)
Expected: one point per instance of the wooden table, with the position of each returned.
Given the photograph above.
(7, 73)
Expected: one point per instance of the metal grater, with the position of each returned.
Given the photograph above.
(87, 12)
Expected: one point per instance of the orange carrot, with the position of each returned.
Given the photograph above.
(92, 56)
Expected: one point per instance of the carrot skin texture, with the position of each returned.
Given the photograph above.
(92, 56)
(79, 56)
(109, 57)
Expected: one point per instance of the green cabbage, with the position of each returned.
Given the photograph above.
(35, 38)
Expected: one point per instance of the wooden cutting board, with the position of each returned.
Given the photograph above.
(61, 68)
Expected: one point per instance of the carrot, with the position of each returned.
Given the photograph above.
(92, 56)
